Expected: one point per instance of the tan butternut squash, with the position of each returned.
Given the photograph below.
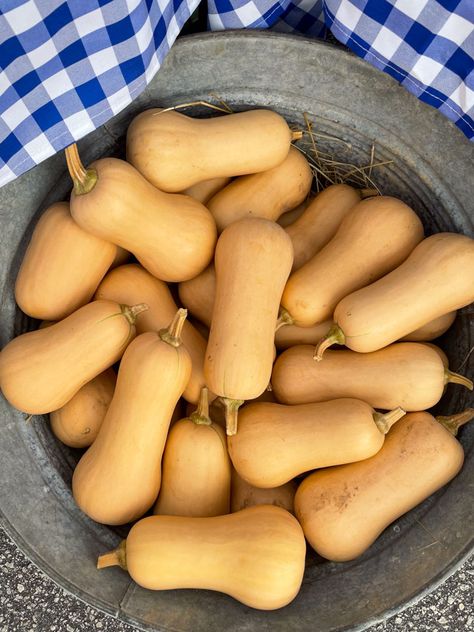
(222, 553)
(221, 146)
(198, 294)
(125, 284)
(253, 260)
(320, 221)
(375, 237)
(113, 201)
(411, 375)
(42, 370)
(291, 216)
(290, 335)
(344, 509)
(62, 266)
(275, 443)
(267, 194)
(77, 423)
(118, 479)
(441, 353)
(437, 278)
(433, 329)
(245, 495)
(203, 191)
(196, 467)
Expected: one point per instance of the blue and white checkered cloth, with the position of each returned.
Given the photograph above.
(68, 67)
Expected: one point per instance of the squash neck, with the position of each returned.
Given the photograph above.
(172, 334)
(84, 180)
(117, 557)
(201, 415)
(454, 422)
(335, 336)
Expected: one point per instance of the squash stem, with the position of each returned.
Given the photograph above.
(231, 414)
(201, 415)
(296, 135)
(335, 336)
(454, 422)
(385, 422)
(172, 333)
(131, 312)
(117, 557)
(84, 180)
(366, 193)
(284, 318)
(455, 378)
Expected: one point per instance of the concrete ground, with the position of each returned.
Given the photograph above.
(31, 602)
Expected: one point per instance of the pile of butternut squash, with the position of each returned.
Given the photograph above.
(213, 404)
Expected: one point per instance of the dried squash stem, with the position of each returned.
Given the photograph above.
(335, 336)
(84, 180)
(385, 421)
(454, 422)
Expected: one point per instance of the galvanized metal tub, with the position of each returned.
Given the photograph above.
(431, 169)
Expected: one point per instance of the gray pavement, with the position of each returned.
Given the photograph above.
(31, 602)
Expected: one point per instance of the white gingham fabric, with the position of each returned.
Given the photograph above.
(68, 67)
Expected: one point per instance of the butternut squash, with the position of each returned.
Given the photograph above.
(433, 329)
(174, 151)
(245, 495)
(198, 294)
(437, 278)
(291, 216)
(62, 266)
(132, 284)
(40, 371)
(77, 423)
(113, 201)
(291, 335)
(375, 237)
(344, 509)
(196, 467)
(253, 260)
(411, 375)
(118, 479)
(320, 221)
(203, 191)
(275, 443)
(267, 194)
(222, 553)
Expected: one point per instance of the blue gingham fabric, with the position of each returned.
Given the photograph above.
(68, 67)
